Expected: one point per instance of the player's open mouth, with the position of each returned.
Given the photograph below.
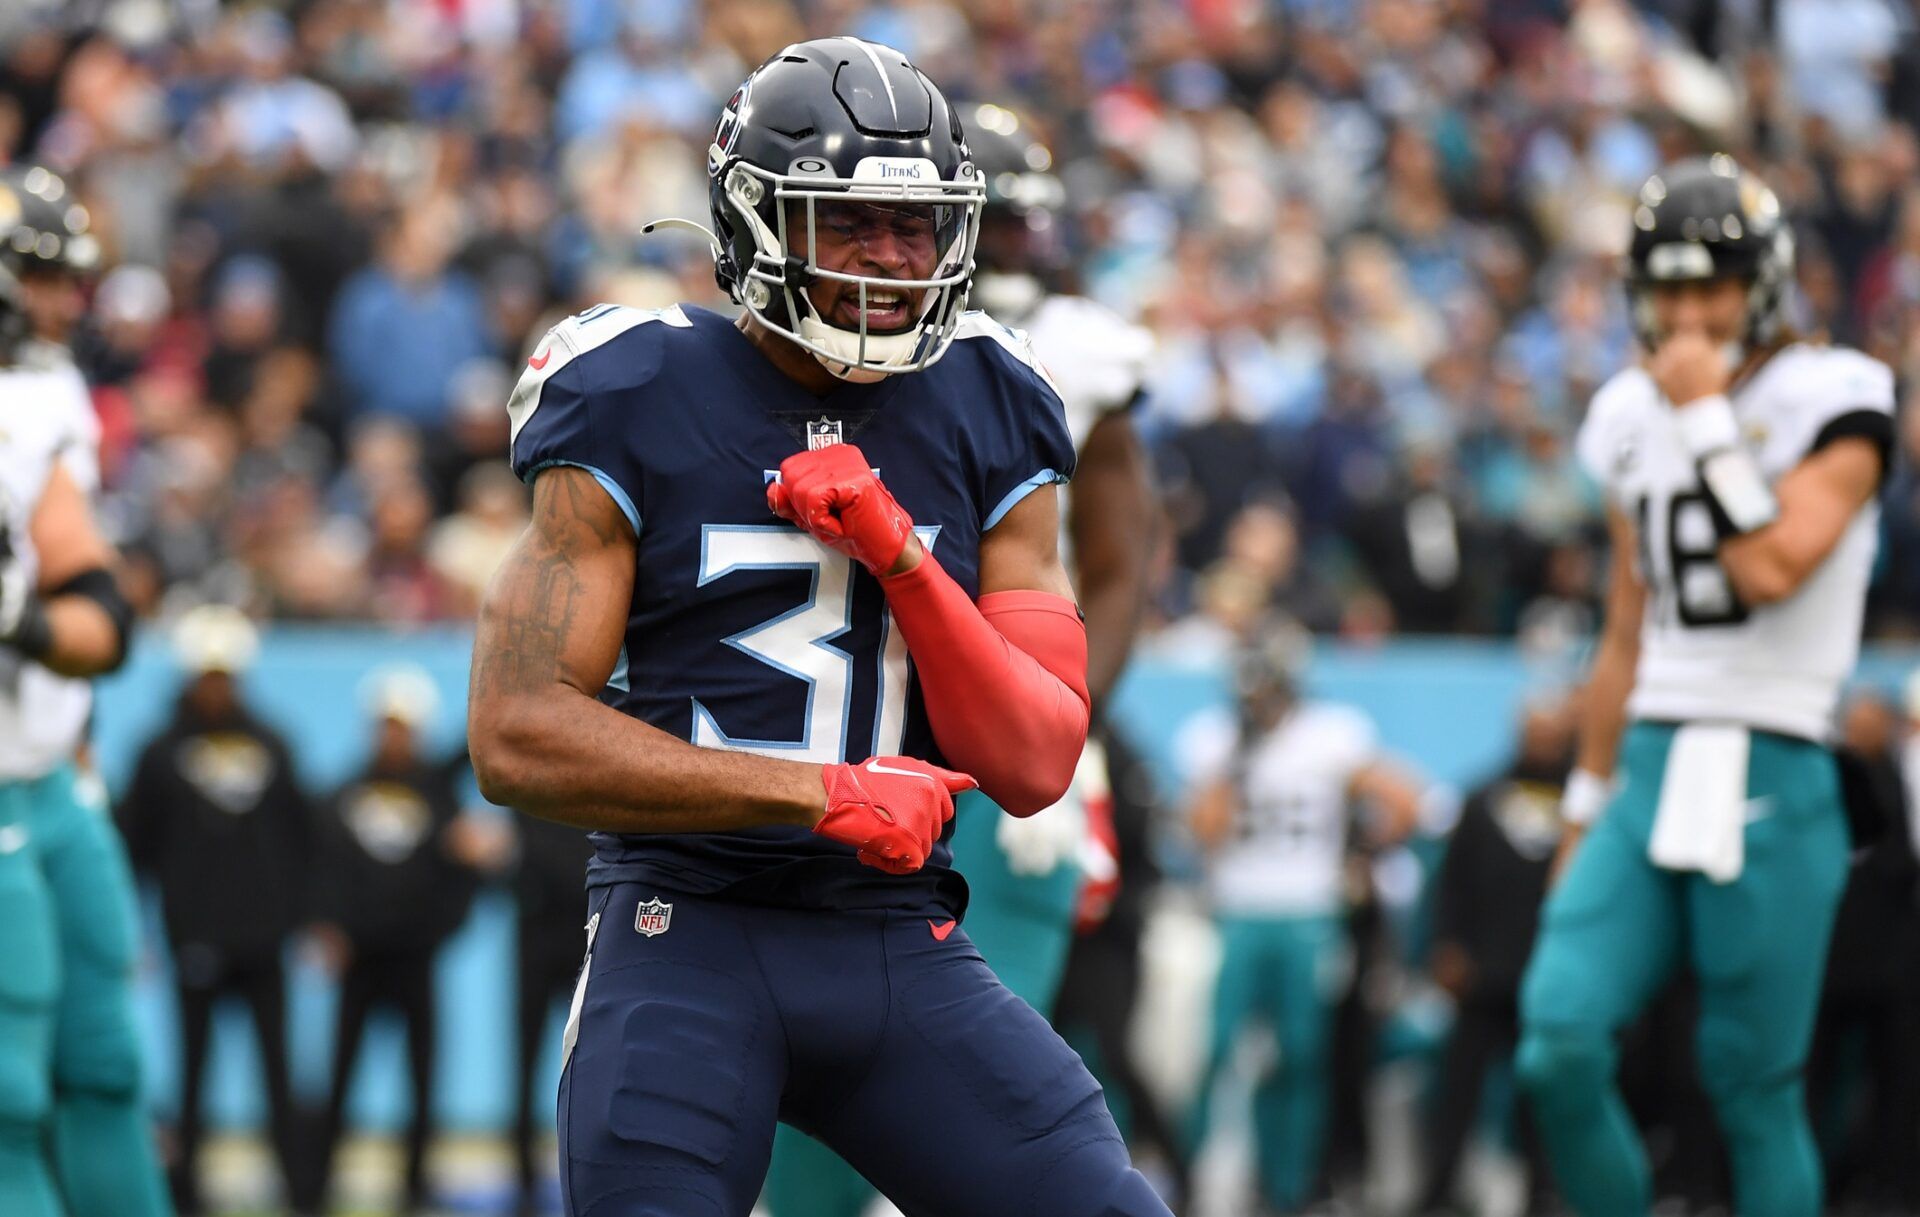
(886, 309)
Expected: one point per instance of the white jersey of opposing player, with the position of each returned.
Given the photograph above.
(46, 418)
(1286, 854)
(1704, 655)
(1095, 358)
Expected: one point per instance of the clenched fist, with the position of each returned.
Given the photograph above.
(891, 809)
(833, 494)
(1689, 366)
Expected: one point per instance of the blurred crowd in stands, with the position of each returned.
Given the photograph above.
(1376, 241)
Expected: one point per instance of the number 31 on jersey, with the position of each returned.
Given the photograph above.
(800, 643)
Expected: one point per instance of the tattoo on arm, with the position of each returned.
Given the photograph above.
(531, 620)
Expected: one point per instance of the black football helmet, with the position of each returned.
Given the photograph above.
(841, 120)
(1707, 218)
(43, 227)
(1020, 235)
(1270, 666)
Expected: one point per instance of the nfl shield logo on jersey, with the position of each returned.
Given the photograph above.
(653, 917)
(823, 434)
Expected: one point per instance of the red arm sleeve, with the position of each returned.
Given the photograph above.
(1005, 682)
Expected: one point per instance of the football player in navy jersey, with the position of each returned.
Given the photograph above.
(1030, 876)
(791, 584)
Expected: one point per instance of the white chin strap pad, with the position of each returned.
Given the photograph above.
(885, 352)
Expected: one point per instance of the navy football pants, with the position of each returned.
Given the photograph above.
(898, 1049)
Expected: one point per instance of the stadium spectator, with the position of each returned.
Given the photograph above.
(402, 327)
(405, 586)
(244, 327)
(216, 818)
(466, 548)
(1415, 540)
(1359, 230)
(477, 432)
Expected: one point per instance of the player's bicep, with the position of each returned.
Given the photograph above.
(1818, 499)
(556, 612)
(1022, 551)
(64, 534)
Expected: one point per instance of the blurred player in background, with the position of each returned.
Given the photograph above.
(216, 816)
(70, 1072)
(1277, 796)
(704, 631)
(1025, 873)
(1740, 467)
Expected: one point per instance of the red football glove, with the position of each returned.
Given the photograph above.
(890, 809)
(832, 493)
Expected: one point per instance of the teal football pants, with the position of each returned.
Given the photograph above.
(1615, 931)
(102, 1146)
(1287, 971)
(29, 987)
(1023, 926)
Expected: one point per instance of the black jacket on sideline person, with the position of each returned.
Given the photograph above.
(1494, 878)
(391, 885)
(1487, 911)
(215, 816)
(550, 884)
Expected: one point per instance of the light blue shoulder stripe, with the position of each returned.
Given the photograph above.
(1046, 477)
(613, 489)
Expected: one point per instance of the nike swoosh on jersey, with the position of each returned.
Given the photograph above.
(540, 361)
(941, 929)
(877, 767)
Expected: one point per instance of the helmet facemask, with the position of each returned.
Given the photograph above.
(1766, 283)
(785, 215)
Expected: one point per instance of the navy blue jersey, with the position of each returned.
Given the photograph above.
(745, 632)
